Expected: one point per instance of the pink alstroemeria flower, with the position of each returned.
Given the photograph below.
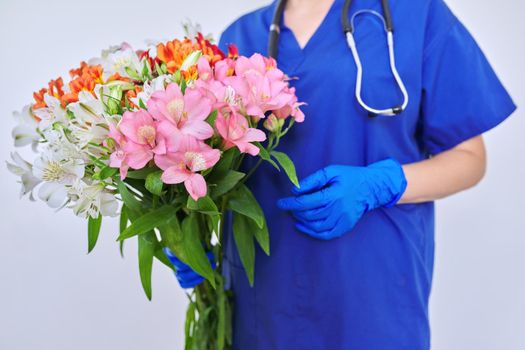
(137, 141)
(291, 108)
(210, 83)
(220, 71)
(185, 112)
(184, 165)
(235, 130)
(260, 84)
(117, 159)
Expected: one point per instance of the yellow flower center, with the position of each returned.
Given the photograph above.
(196, 161)
(175, 107)
(146, 134)
(53, 172)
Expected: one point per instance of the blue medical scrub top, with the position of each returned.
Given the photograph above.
(368, 289)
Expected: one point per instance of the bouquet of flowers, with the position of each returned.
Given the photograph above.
(158, 136)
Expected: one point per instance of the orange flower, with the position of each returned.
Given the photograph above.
(132, 94)
(173, 53)
(84, 79)
(54, 88)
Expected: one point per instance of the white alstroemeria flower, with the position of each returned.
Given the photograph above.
(26, 132)
(151, 46)
(112, 49)
(59, 147)
(89, 124)
(90, 200)
(24, 169)
(192, 29)
(123, 62)
(56, 175)
(88, 109)
(149, 87)
(53, 113)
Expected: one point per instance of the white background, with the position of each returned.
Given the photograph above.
(55, 297)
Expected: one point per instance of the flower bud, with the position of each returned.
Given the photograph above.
(273, 124)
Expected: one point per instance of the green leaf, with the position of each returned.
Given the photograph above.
(207, 206)
(154, 184)
(288, 166)
(148, 222)
(193, 253)
(93, 231)
(243, 202)
(140, 174)
(190, 60)
(145, 70)
(190, 321)
(226, 183)
(132, 73)
(262, 236)
(106, 172)
(244, 240)
(204, 205)
(129, 199)
(123, 223)
(176, 75)
(160, 256)
(263, 153)
(211, 118)
(158, 69)
(171, 234)
(228, 323)
(223, 165)
(185, 243)
(146, 245)
(183, 84)
(221, 316)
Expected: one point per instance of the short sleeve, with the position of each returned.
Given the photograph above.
(462, 96)
(225, 39)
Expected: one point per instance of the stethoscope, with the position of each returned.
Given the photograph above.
(348, 29)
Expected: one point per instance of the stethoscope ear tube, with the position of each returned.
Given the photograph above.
(388, 16)
(275, 29)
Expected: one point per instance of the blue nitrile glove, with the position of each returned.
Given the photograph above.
(331, 201)
(185, 275)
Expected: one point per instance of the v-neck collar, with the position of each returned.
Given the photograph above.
(290, 54)
(317, 31)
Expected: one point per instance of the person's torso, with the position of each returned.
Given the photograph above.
(308, 290)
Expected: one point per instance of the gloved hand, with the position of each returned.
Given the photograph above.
(331, 201)
(185, 275)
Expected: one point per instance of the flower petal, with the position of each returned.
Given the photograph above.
(175, 175)
(196, 186)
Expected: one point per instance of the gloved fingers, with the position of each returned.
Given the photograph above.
(181, 266)
(211, 259)
(317, 213)
(315, 181)
(174, 260)
(326, 235)
(319, 226)
(188, 274)
(191, 283)
(304, 229)
(343, 225)
(308, 201)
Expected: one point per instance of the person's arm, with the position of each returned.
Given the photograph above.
(449, 172)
